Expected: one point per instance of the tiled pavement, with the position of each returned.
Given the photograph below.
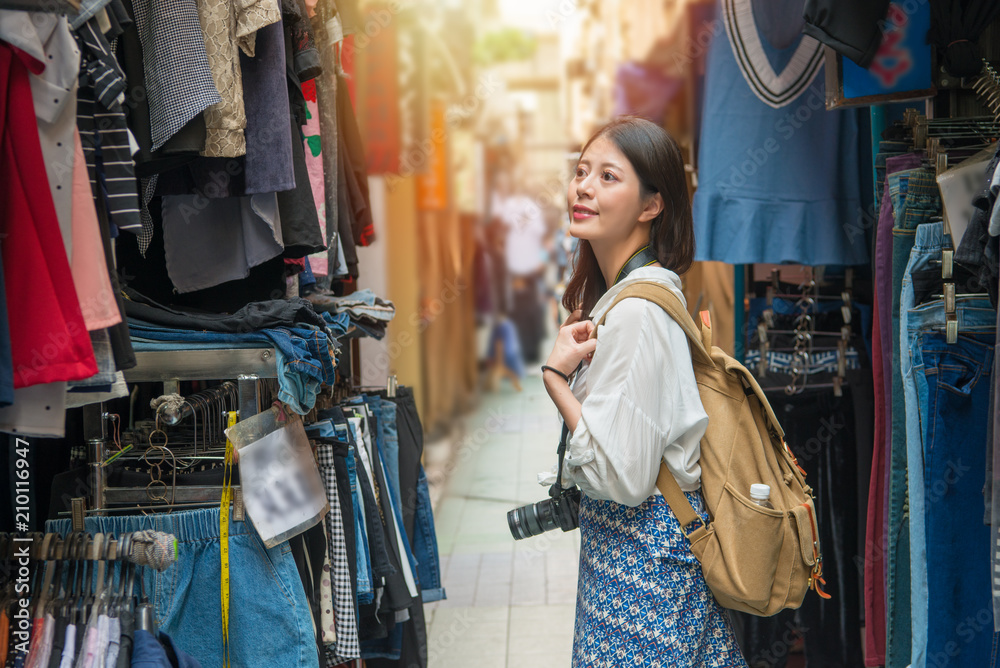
(510, 603)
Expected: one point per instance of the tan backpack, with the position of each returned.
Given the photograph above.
(755, 560)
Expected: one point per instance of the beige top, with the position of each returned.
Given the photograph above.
(230, 25)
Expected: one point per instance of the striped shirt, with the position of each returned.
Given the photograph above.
(103, 131)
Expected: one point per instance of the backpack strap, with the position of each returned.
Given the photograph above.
(665, 298)
(691, 523)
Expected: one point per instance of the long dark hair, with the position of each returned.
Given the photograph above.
(658, 162)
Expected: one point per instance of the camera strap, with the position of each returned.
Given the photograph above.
(557, 488)
(641, 258)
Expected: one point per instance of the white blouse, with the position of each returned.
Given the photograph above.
(640, 401)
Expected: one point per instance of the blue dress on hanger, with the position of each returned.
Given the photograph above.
(779, 176)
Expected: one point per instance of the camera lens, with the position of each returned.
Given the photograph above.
(531, 520)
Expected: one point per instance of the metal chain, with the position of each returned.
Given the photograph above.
(804, 328)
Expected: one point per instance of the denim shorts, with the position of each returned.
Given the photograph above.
(269, 619)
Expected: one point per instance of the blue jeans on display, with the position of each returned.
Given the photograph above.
(325, 429)
(338, 323)
(425, 546)
(391, 647)
(914, 198)
(366, 593)
(975, 315)
(270, 623)
(958, 377)
(303, 356)
(378, 550)
(385, 416)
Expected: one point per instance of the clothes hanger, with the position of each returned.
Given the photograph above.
(144, 610)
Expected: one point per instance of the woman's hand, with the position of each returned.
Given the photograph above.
(573, 344)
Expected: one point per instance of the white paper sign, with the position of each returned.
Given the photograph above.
(959, 187)
(282, 488)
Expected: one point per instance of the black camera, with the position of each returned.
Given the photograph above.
(561, 511)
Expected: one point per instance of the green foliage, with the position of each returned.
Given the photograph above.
(505, 45)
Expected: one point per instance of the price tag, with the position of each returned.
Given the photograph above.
(282, 489)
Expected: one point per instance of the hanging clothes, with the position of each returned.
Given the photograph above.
(299, 218)
(306, 62)
(211, 241)
(50, 341)
(268, 166)
(852, 28)
(178, 78)
(956, 26)
(779, 176)
(313, 140)
(89, 266)
(116, 171)
(54, 94)
(229, 28)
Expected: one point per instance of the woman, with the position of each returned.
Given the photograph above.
(642, 599)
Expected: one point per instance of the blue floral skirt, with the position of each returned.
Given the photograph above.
(642, 599)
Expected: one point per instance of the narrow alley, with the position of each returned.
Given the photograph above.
(510, 603)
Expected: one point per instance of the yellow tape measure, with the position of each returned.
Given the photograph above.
(227, 496)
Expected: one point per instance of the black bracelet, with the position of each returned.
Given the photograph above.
(556, 371)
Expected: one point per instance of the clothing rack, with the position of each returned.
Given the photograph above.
(987, 87)
(938, 156)
(805, 332)
(247, 365)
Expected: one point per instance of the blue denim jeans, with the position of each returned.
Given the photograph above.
(270, 623)
(915, 198)
(303, 356)
(912, 321)
(958, 379)
(325, 429)
(388, 439)
(366, 592)
(385, 422)
(339, 323)
(425, 546)
(975, 316)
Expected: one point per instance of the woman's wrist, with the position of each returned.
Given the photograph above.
(554, 372)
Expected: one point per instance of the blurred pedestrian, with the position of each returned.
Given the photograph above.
(524, 254)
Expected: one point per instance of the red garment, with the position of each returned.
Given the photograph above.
(875, 544)
(49, 341)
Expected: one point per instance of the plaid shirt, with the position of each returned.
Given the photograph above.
(179, 84)
(347, 646)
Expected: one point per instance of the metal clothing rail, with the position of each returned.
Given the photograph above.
(245, 366)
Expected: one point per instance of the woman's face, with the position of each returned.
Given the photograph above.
(604, 198)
